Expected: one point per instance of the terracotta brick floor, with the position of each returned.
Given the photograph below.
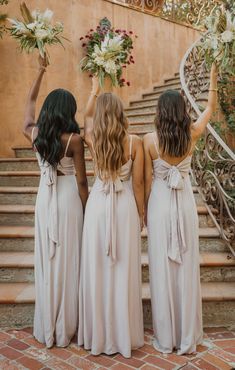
(19, 350)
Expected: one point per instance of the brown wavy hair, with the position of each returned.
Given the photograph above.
(110, 130)
(173, 124)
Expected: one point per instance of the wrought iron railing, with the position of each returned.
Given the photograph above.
(188, 12)
(213, 166)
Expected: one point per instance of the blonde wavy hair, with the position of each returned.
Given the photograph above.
(110, 130)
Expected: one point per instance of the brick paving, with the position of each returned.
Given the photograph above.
(19, 350)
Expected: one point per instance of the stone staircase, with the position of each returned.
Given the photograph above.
(19, 178)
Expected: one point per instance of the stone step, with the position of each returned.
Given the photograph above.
(169, 85)
(143, 102)
(142, 126)
(175, 79)
(148, 98)
(28, 178)
(217, 267)
(21, 214)
(155, 94)
(29, 164)
(18, 267)
(18, 195)
(218, 304)
(141, 117)
(148, 108)
(21, 239)
(17, 304)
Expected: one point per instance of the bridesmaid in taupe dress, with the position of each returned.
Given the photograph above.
(60, 204)
(110, 302)
(173, 224)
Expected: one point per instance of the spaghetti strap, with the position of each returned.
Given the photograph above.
(130, 147)
(156, 145)
(32, 134)
(67, 146)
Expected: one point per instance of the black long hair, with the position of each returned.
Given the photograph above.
(57, 116)
(173, 124)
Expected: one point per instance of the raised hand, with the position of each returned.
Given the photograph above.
(95, 86)
(43, 61)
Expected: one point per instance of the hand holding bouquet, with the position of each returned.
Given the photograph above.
(219, 41)
(108, 51)
(35, 30)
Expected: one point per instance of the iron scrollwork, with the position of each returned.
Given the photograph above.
(213, 165)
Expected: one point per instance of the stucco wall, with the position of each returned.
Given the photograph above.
(158, 51)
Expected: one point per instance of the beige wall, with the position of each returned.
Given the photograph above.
(158, 51)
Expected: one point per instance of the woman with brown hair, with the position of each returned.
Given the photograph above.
(110, 308)
(173, 223)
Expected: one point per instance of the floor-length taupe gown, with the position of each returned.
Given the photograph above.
(174, 258)
(110, 305)
(58, 234)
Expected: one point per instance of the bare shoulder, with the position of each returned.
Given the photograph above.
(137, 140)
(76, 143)
(148, 139)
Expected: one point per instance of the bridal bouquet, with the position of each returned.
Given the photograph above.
(219, 41)
(108, 51)
(35, 30)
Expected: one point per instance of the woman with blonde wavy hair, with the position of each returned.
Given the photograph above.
(110, 309)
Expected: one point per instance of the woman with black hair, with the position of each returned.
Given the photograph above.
(60, 205)
(173, 222)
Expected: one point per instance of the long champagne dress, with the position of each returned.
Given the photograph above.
(173, 244)
(110, 304)
(58, 234)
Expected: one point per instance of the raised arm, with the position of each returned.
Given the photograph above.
(77, 148)
(201, 123)
(29, 117)
(138, 176)
(148, 174)
(89, 112)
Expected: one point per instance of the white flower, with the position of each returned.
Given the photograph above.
(47, 16)
(32, 26)
(99, 60)
(112, 43)
(110, 67)
(230, 25)
(41, 34)
(19, 27)
(35, 14)
(227, 36)
(214, 42)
